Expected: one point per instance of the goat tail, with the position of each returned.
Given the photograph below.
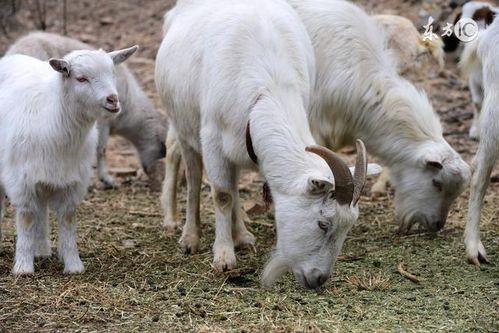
(435, 46)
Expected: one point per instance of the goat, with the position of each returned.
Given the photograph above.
(408, 43)
(486, 157)
(48, 112)
(470, 64)
(359, 94)
(481, 12)
(138, 122)
(235, 79)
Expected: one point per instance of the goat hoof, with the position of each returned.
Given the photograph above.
(474, 133)
(75, 267)
(171, 226)
(245, 240)
(23, 268)
(109, 183)
(189, 244)
(225, 260)
(476, 253)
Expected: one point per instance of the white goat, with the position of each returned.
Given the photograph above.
(470, 65)
(409, 44)
(235, 78)
(358, 94)
(48, 112)
(138, 122)
(486, 156)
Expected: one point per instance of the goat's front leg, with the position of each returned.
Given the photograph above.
(223, 176)
(43, 246)
(482, 168)
(102, 169)
(191, 233)
(169, 192)
(68, 248)
(25, 244)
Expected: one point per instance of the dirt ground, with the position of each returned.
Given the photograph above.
(137, 279)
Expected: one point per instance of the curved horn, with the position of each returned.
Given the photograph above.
(360, 173)
(343, 181)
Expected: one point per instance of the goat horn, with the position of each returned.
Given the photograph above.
(344, 185)
(360, 173)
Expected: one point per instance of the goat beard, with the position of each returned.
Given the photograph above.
(274, 269)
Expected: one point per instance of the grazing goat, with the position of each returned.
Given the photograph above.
(469, 63)
(359, 94)
(408, 43)
(486, 157)
(138, 122)
(235, 79)
(48, 113)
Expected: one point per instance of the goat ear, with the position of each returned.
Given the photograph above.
(373, 169)
(318, 186)
(434, 165)
(121, 55)
(60, 65)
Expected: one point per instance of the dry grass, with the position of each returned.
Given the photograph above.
(369, 281)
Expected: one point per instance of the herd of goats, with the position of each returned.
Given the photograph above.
(273, 86)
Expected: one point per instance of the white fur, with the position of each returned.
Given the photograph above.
(138, 122)
(358, 94)
(48, 134)
(486, 157)
(216, 61)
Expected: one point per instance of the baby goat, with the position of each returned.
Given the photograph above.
(48, 114)
(138, 122)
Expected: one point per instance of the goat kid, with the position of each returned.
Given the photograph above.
(48, 112)
(138, 122)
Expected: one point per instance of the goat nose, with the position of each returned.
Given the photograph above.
(112, 99)
(317, 278)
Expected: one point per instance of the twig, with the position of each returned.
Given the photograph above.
(144, 214)
(406, 274)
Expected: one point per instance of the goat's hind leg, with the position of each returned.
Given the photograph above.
(191, 233)
(169, 192)
(43, 246)
(102, 169)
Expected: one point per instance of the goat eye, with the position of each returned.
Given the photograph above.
(332, 195)
(81, 79)
(438, 185)
(323, 225)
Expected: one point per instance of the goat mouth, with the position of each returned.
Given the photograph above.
(112, 110)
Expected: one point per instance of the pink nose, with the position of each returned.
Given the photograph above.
(112, 99)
